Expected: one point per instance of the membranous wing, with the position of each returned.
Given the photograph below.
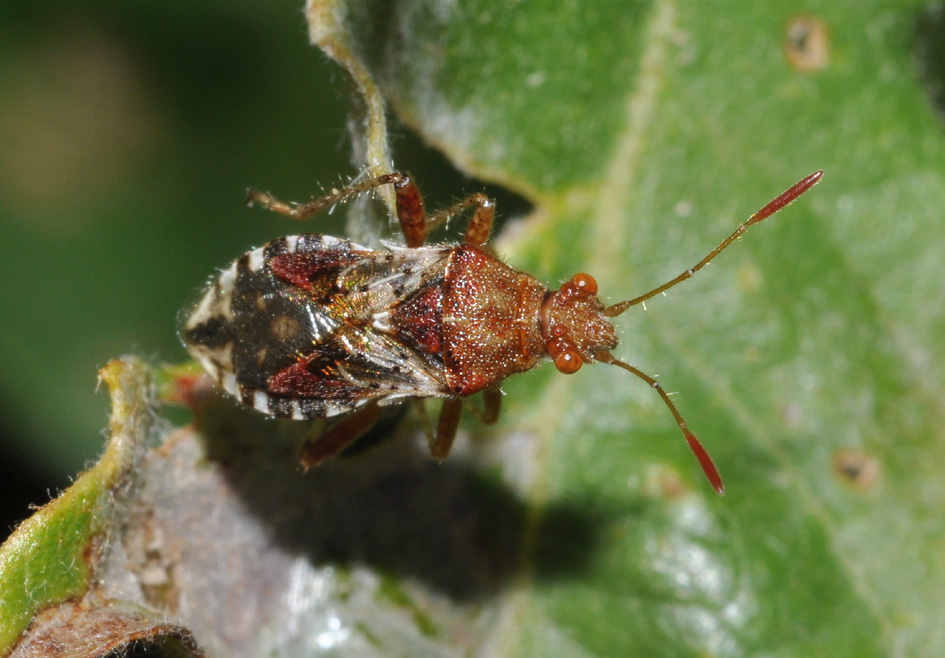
(297, 328)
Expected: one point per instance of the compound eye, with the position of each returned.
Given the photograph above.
(568, 362)
(585, 283)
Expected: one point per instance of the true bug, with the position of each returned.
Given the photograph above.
(311, 326)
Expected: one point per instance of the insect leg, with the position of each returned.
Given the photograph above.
(446, 428)
(339, 436)
(492, 400)
(421, 408)
(410, 212)
(480, 226)
(491, 406)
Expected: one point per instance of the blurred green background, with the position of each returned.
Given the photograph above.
(129, 133)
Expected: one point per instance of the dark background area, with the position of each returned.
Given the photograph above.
(128, 136)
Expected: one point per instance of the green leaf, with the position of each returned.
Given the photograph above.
(806, 358)
(53, 584)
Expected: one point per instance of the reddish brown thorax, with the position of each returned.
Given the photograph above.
(490, 320)
(573, 325)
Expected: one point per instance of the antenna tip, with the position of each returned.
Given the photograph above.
(804, 184)
(705, 461)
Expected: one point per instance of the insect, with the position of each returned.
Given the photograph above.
(312, 326)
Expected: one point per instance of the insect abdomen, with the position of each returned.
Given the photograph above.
(418, 321)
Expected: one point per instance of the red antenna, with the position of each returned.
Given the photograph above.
(784, 199)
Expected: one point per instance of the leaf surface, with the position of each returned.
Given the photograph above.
(806, 358)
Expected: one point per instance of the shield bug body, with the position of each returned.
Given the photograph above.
(311, 326)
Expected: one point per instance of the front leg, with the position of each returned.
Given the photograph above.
(414, 222)
(410, 211)
(480, 226)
